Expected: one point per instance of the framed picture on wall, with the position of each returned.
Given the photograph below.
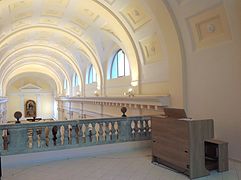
(30, 108)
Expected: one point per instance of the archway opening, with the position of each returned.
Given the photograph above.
(35, 87)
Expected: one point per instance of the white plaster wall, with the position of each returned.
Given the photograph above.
(44, 97)
(213, 86)
(3, 110)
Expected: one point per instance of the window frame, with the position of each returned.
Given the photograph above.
(75, 80)
(65, 84)
(116, 58)
(90, 75)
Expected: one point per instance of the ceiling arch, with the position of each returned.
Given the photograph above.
(7, 57)
(32, 60)
(43, 81)
(91, 54)
(31, 68)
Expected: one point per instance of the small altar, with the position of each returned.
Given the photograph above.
(37, 120)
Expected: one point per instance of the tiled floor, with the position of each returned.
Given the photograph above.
(128, 165)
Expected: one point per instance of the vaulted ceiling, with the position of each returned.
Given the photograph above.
(59, 37)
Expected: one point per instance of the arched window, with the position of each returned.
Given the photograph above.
(119, 66)
(91, 75)
(65, 84)
(75, 80)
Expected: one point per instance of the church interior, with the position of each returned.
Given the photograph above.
(68, 67)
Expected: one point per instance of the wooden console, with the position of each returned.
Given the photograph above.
(179, 144)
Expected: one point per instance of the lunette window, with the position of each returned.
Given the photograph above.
(120, 65)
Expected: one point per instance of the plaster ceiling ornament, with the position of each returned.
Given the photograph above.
(18, 5)
(21, 23)
(135, 15)
(110, 1)
(63, 3)
(210, 27)
(55, 12)
(151, 49)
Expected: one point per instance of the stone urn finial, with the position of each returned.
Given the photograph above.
(17, 115)
(123, 110)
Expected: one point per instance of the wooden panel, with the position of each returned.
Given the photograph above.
(180, 143)
(199, 131)
(173, 156)
(172, 143)
(223, 157)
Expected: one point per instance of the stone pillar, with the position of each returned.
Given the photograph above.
(60, 110)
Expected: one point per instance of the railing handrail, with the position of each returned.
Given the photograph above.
(65, 122)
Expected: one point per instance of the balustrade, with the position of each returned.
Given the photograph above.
(36, 137)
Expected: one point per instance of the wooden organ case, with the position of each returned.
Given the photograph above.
(179, 142)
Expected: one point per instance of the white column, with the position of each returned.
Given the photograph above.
(39, 110)
(55, 107)
(22, 106)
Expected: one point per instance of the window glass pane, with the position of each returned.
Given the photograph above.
(87, 77)
(121, 64)
(114, 68)
(65, 84)
(91, 75)
(76, 80)
(127, 67)
(94, 74)
(73, 81)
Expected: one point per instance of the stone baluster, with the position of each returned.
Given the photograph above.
(97, 129)
(54, 134)
(116, 128)
(46, 131)
(133, 126)
(83, 129)
(80, 134)
(77, 133)
(39, 133)
(149, 126)
(104, 131)
(69, 134)
(110, 130)
(139, 127)
(144, 127)
(51, 137)
(30, 138)
(35, 138)
(5, 139)
(90, 132)
(62, 132)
